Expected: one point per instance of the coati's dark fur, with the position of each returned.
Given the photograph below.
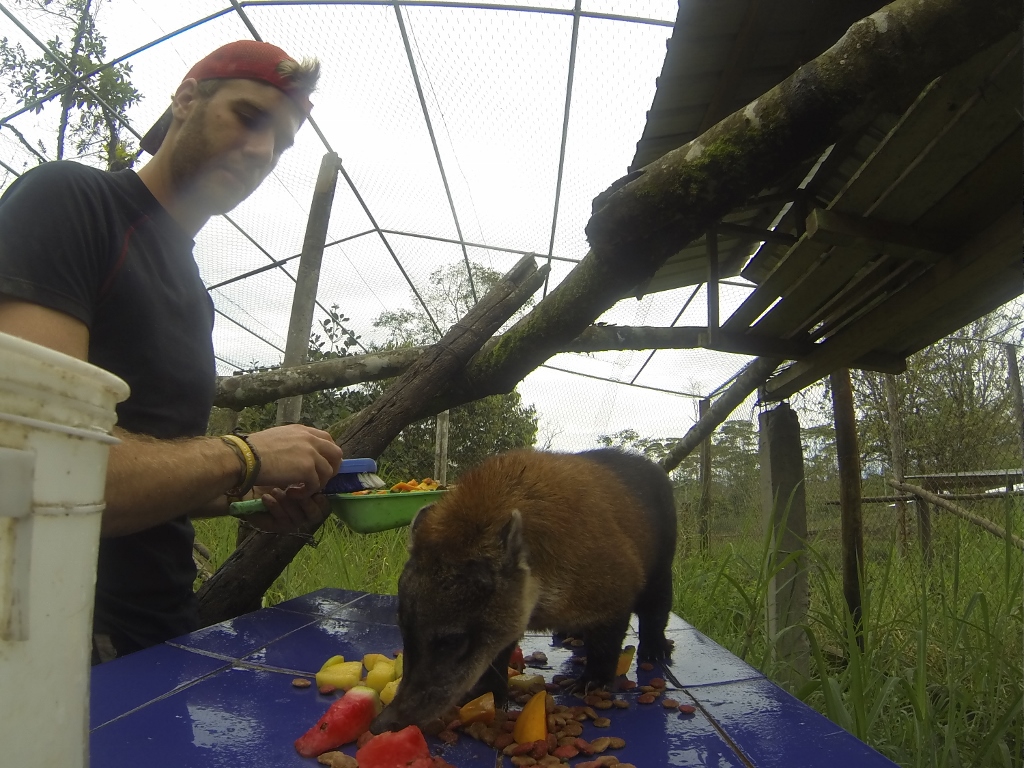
(571, 543)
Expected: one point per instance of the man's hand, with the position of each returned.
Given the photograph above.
(288, 510)
(296, 455)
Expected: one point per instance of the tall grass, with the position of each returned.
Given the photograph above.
(937, 684)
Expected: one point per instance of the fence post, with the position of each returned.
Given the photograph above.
(441, 449)
(1013, 380)
(897, 450)
(848, 457)
(784, 512)
(308, 279)
(704, 510)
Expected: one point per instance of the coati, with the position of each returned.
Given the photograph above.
(530, 540)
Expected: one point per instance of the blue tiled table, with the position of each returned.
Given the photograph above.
(223, 696)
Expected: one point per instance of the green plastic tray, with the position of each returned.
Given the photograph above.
(374, 512)
(367, 513)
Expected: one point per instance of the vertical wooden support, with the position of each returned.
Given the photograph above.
(704, 511)
(897, 450)
(441, 449)
(712, 246)
(785, 517)
(308, 279)
(1013, 381)
(848, 457)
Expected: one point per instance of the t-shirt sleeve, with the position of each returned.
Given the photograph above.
(54, 246)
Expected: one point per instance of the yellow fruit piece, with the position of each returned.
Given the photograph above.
(382, 674)
(332, 661)
(523, 683)
(370, 660)
(532, 723)
(625, 659)
(387, 694)
(399, 666)
(343, 675)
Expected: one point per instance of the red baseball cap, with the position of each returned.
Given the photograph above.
(242, 59)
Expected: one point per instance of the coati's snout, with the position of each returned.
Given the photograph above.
(457, 612)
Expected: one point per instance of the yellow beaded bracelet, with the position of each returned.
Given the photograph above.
(250, 463)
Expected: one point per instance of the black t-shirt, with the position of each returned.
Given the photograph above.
(99, 247)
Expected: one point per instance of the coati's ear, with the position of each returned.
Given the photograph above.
(416, 521)
(513, 542)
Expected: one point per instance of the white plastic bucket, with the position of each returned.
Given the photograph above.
(56, 414)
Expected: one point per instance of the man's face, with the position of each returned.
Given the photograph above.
(230, 141)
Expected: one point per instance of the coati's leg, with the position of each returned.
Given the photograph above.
(652, 609)
(494, 679)
(604, 644)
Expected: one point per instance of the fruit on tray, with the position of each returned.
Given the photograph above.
(532, 725)
(383, 672)
(392, 749)
(479, 710)
(344, 722)
(625, 659)
(343, 675)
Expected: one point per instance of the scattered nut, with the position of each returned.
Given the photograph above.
(620, 703)
(337, 760)
(540, 657)
(448, 737)
(572, 729)
(647, 698)
(576, 643)
(502, 740)
(628, 685)
(614, 742)
(669, 703)
(687, 709)
(565, 753)
(657, 682)
(549, 760)
(327, 689)
(600, 744)
(602, 722)
(523, 760)
(603, 704)
(301, 682)
(646, 666)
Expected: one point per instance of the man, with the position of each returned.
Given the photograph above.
(99, 266)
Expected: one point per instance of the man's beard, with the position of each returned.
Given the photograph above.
(191, 160)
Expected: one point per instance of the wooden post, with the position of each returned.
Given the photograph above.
(897, 451)
(785, 517)
(704, 510)
(1013, 380)
(308, 279)
(848, 456)
(441, 449)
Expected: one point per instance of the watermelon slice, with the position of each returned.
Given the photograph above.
(394, 750)
(346, 720)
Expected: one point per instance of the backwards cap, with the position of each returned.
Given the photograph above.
(242, 59)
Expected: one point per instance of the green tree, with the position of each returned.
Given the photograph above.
(954, 402)
(85, 120)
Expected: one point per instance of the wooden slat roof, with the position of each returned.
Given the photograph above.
(899, 235)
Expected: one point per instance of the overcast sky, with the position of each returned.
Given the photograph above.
(494, 83)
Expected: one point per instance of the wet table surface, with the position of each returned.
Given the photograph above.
(222, 696)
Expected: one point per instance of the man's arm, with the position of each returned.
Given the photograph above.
(151, 481)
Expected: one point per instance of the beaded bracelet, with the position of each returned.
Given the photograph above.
(250, 464)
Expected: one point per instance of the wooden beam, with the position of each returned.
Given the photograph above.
(968, 270)
(959, 511)
(756, 233)
(897, 449)
(873, 236)
(704, 508)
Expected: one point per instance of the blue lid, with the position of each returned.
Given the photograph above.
(354, 466)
